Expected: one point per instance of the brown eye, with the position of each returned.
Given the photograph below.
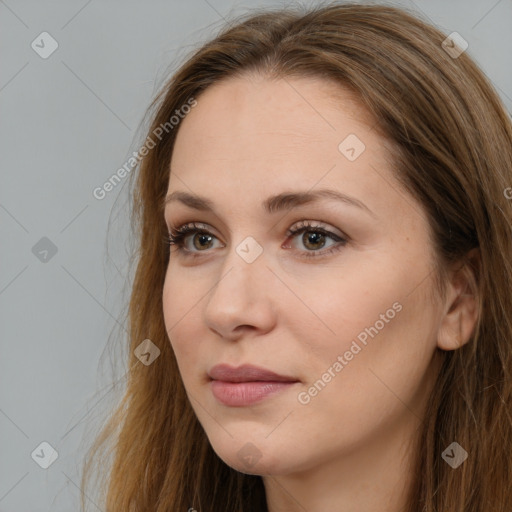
(313, 239)
(202, 239)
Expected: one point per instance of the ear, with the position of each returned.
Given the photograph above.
(461, 305)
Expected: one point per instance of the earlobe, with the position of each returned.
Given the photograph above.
(462, 306)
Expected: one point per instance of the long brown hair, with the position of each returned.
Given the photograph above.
(452, 141)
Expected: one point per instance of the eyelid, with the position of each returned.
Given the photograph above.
(177, 237)
(314, 224)
(292, 230)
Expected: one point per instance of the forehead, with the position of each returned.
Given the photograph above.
(254, 118)
(264, 136)
(304, 107)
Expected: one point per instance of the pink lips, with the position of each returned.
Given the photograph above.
(245, 384)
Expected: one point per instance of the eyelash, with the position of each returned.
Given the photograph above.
(177, 237)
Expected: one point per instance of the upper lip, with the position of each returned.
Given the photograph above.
(246, 373)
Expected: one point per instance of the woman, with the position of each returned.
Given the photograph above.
(343, 342)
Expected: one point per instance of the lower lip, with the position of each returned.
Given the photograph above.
(245, 393)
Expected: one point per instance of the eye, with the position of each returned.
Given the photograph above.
(201, 238)
(314, 238)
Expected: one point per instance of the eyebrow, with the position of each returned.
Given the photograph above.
(273, 204)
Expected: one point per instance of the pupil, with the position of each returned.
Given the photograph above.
(202, 237)
(314, 238)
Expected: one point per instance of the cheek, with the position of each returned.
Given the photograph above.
(343, 309)
(374, 319)
(385, 338)
(182, 317)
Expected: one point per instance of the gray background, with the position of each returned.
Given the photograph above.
(68, 122)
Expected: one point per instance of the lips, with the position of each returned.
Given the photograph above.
(246, 373)
(246, 385)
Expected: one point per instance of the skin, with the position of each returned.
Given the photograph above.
(351, 447)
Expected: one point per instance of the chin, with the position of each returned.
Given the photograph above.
(251, 458)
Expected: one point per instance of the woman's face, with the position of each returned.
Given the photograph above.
(342, 308)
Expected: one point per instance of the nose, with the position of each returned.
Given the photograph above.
(241, 300)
